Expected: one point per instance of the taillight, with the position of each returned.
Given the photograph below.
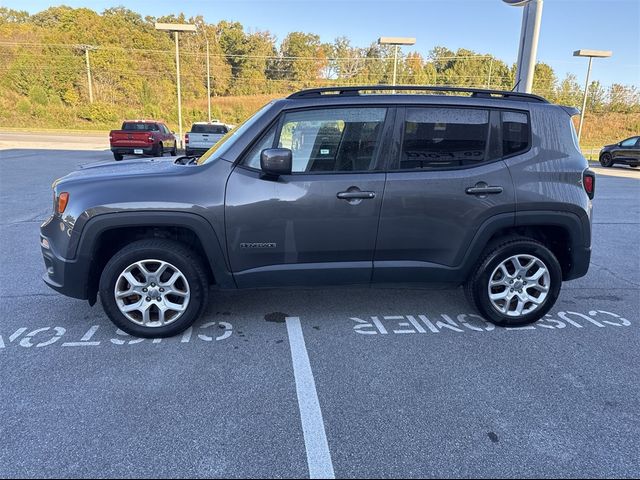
(63, 199)
(186, 139)
(589, 182)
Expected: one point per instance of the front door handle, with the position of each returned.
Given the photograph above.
(356, 195)
(482, 188)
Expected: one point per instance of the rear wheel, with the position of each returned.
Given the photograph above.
(174, 151)
(154, 288)
(516, 283)
(606, 160)
(159, 150)
(117, 156)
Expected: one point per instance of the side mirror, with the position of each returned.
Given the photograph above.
(276, 161)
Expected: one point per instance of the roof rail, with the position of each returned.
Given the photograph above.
(475, 92)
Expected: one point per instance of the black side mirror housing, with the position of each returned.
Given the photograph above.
(276, 161)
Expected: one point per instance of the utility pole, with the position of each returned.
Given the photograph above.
(208, 81)
(86, 49)
(175, 36)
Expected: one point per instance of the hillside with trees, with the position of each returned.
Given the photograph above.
(44, 82)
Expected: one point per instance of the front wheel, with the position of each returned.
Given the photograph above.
(174, 152)
(117, 156)
(606, 160)
(154, 288)
(516, 283)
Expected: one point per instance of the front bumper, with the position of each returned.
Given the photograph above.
(67, 276)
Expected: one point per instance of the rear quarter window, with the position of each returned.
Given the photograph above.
(516, 133)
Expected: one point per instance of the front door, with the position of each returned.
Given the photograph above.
(628, 151)
(318, 225)
(447, 179)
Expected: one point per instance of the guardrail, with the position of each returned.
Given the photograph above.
(591, 153)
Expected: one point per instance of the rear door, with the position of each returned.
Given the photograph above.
(318, 225)
(446, 180)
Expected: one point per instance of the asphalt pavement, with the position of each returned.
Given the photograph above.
(377, 383)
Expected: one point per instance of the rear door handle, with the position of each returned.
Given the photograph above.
(483, 190)
(356, 195)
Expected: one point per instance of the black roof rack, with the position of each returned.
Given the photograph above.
(475, 92)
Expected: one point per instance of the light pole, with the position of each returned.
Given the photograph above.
(175, 28)
(396, 42)
(529, 33)
(591, 54)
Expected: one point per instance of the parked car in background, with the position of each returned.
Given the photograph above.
(142, 137)
(626, 152)
(203, 136)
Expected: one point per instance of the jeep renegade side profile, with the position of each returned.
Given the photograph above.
(344, 185)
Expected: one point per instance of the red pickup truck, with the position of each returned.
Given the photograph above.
(142, 137)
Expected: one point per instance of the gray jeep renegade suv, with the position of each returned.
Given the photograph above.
(345, 185)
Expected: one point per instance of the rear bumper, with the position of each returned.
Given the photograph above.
(146, 150)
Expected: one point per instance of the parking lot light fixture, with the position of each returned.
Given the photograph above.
(528, 49)
(591, 54)
(175, 28)
(396, 42)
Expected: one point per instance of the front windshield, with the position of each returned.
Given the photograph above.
(229, 139)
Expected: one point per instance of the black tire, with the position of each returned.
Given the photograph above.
(117, 156)
(174, 151)
(175, 253)
(634, 166)
(159, 150)
(606, 160)
(476, 287)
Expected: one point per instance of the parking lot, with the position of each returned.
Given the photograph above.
(398, 382)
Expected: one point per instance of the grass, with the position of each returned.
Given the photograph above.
(18, 114)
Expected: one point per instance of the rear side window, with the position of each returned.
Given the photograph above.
(201, 128)
(442, 138)
(515, 133)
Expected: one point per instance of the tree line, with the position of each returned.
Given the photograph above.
(132, 65)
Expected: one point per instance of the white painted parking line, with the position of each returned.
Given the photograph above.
(315, 437)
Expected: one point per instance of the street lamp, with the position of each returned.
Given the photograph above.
(591, 54)
(175, 28)
(396, 41)
(529, 33)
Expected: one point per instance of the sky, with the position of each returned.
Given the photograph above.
(485, 26)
